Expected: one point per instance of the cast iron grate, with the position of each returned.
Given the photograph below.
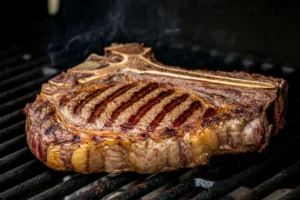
(24, 69)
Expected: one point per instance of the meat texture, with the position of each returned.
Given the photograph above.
(125, 111)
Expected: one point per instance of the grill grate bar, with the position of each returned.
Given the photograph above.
(11, 117)
(222, 187)
(12, 130)
(108, 186)
(148, 185)
(176, 191)
(17, 59)
(21, 54)
(292, 195)
(32, 186)
(67, 187)
(20, 78)
(16, 158)
(272, 184)
(22, 89)
(18, 103)
(226, 169)
(12, 145)
(46, 70)
(21, 173)
(24, 67)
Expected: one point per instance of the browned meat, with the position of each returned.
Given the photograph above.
(127, 112)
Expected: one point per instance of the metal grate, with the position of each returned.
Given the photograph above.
(24, 69)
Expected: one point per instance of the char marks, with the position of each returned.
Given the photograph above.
(48, 115)
(134, 119)
(208, 113)
(40, 107)
(65, 100)
(186, 114)
(167, 108)
(135, 97)
(88, 98)
(98, 109)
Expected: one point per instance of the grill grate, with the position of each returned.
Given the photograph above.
(23, 177)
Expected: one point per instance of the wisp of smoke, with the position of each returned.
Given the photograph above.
(117, 21)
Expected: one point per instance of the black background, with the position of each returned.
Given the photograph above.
(268, 28)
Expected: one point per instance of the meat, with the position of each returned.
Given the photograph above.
(125, 111)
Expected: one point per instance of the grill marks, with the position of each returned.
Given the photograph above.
(134, 119)
(48, 115)
(45, 111)
(65, 100)
(99, 108)
(112, 101)
(78, 108)
(41, 107)
(168, 108)
(135, 97)
(186, 114)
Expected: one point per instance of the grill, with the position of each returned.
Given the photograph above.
(247, 176)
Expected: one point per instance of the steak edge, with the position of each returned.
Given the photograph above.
(125, 111)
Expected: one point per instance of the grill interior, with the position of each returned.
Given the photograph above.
(246, 176)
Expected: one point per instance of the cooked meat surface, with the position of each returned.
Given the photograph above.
(125, 111)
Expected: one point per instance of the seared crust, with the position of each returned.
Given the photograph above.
(127, 112)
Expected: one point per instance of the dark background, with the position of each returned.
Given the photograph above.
(259, 27)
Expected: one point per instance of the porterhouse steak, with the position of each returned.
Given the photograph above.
(125, 111)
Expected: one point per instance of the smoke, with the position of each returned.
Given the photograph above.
(85, 27)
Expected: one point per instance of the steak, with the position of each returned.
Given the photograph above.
(125, 111)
